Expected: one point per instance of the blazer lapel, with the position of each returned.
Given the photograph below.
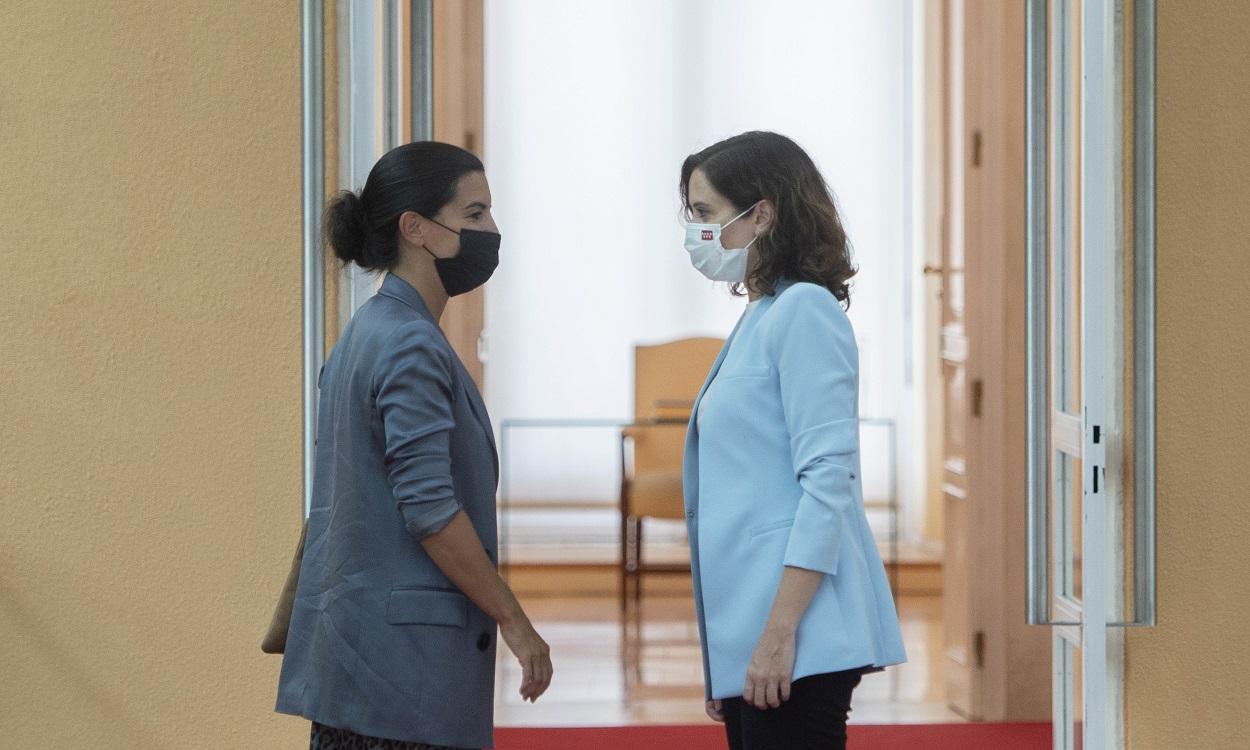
(690, 468)
(711, 375)
(478, 407)
(691, 459)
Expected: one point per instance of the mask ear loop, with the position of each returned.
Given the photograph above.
(444, 226)
(683, 220)
(744, 213)
(739, 216)
(449, 229)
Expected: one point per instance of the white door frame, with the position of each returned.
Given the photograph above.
(370, 81)
(1088, 695)
(372, 67)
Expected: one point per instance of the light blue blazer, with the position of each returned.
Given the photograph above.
(381, 642)
(772, 479)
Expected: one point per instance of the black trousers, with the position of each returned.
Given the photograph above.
(813, 719)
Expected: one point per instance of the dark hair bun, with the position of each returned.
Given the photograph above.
(347, 228)
(363, 228)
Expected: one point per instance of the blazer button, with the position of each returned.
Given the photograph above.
(483, 642)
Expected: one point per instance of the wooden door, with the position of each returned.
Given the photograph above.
(456, 77)
(959, 627)
(996, 667)
(458, 119)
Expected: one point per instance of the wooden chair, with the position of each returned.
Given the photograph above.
(667, 378)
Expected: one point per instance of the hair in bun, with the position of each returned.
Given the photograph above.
(346, 227)
(422, 177)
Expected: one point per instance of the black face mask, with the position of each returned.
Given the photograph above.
(473, 265)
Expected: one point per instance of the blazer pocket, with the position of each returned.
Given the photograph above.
(755, 531)
(419, 606)
(747, 371)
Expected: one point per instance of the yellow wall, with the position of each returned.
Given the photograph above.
(1187, 677)
(149, 369)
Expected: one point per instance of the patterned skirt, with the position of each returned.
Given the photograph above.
(330, 738)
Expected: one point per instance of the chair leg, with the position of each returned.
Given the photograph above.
(638, 564)
(631, 559)
(625, 558)
(639, 570)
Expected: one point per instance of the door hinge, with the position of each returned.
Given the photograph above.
(978, 648)
(977, 390)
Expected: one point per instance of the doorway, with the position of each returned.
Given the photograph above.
(569, 102)
(947, 263)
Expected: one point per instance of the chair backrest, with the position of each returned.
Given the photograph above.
(667, 377)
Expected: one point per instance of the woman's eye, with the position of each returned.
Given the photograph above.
(475, 217)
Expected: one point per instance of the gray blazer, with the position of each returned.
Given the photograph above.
(381, 643)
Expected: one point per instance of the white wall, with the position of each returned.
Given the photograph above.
(590, 110)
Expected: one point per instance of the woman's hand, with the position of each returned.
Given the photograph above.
(532, 652)
(457, 551)
(772, 664)
(715, 711)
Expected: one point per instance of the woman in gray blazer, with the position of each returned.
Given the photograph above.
(392, 636)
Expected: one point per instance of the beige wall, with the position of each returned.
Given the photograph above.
(150, 379)
(149, 369)
(1188, 677)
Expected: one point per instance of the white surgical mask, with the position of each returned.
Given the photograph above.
(710, 258)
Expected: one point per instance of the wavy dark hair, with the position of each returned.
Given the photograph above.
(421, 176)
(806, 241)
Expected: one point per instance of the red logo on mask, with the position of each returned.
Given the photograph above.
(707, 235)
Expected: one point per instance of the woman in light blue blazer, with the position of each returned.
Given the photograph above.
(791, 595)
(392, 636)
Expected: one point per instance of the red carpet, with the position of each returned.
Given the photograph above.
(712, 737)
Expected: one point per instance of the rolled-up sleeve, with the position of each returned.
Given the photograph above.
(813, 349)
(413, 391)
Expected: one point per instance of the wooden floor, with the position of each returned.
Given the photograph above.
(609, 673)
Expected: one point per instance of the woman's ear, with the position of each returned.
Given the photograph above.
(410, 228)
(765, 214)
